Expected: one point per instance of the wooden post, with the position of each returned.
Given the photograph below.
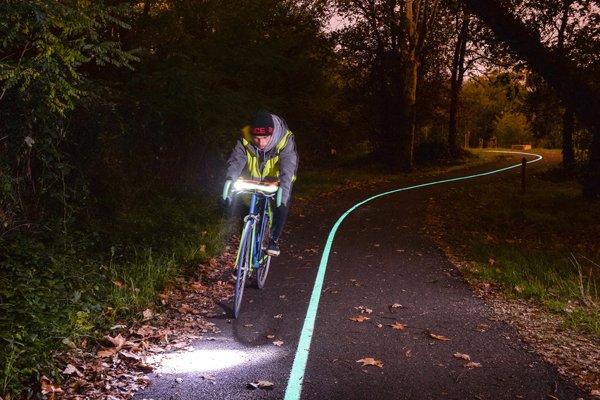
(523, 168)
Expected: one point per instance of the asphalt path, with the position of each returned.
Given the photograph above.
(384, 267)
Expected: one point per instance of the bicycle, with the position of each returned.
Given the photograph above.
(251, 254)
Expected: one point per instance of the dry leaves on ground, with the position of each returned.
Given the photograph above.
(115, 368)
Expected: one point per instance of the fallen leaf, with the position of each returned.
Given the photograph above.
(119, 284)
(370, 361)
(278, 316)
(438, 337)
(278, 343)
(472, 365)
(145, 331)
(595, 393)
(106, 353)
(363, 310)
(398, 325)
(395, 307)
(118, 341)
(270, 337)
(260, 385)
(248, 325)
(360, 318)
(48, 387)
(187, 309)
(147, 314)
(461, 355)
(144, 367)
(130, 355)
(71, 370)
(491, 261)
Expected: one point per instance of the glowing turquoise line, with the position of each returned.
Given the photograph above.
(294, 387)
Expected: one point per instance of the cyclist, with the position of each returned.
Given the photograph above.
(267, 152)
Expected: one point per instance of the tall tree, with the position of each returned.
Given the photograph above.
(391, 34)
(457, 75)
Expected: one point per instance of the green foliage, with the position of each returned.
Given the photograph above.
(54, 293)
(493, 106)
(45, 45)
(512, 128)
(45, 51)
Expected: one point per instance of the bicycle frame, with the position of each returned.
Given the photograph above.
(260, 206)
(251, 255)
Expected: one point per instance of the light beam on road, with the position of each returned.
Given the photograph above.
(208, 360)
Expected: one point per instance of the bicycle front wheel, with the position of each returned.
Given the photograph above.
(264, 260)
(242, 266)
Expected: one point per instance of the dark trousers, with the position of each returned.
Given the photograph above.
(280, 215)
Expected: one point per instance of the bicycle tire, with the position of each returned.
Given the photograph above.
(242, 266)
(264, 259)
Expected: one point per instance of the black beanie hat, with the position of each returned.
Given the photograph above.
(262, 124)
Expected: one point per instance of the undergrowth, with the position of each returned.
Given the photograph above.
(61, 291)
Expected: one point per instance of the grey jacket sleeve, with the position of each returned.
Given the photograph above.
(288, 164)
(236, 162)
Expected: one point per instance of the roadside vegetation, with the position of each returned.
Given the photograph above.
(66, 291)
(541, 244)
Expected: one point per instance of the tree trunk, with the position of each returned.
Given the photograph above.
(568, 116)
(456, 82)
(567, 144)
(407, 116)
(591, 174)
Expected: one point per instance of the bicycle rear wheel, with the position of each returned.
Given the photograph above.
(242, 266)
(264, 259)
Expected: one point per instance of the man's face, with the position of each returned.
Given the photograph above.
(261, 141)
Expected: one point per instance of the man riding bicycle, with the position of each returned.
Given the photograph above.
(267, 153)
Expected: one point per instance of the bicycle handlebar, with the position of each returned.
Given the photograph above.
(249, 186)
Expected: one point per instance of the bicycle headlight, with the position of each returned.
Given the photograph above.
(246, 185)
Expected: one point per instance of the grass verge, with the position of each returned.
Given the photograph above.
(541, 244)
(62, 291)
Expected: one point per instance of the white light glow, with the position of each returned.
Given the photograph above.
(205, 360)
